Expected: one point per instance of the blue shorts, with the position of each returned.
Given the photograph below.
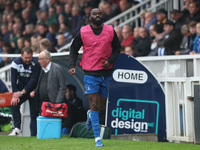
(97, 84)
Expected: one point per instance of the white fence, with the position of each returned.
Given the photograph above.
(177, 75)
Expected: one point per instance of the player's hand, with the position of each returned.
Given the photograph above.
(105, 64)
(32, 94)
(17, 94)
(72, 71)
(15, 101)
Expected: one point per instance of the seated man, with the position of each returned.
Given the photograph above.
(75, 112)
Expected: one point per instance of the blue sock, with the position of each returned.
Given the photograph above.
(95, 124)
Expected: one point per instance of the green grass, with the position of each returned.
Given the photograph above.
(68, 143)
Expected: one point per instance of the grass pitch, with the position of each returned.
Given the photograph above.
(68, 143)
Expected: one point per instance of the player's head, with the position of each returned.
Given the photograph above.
(96, 16)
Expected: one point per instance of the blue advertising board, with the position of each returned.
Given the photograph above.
(136, 102)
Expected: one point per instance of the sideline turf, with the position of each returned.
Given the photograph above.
(67, 143)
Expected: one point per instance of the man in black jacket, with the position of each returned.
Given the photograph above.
(172, 40)
(142, 43)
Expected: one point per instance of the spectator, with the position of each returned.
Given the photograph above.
(52, 16)
(7, 48)
(51, 35)
(129, 50)
(109, 12)
(150, 19)
(32, 8)
(158, 40)
(51, 83)
(142, 17)
(76, 112)
(196, 46)
(59, 9)
(44, 5)
(87, 6)
(1, 45)
(178, 17)
(161, 15)
(23, 82)
(15, 35)
(43, 30)
(17, 8)
(61, 41)
(64, 29)
(44, 18)
(27, 42)
(4, 19)
(61, 18)
(124, 5)
(192, 26)
(8, 8)
(76, 19)
(68, 15)
(127, 35)
(118, 31)
(186, 7)
(5, 33)
(20, 45)
(23, 4)
(173, 39)
(45, 44)
(142, 43)
(136, 32)
(26, 18)
(185, 30)
(150, 33)
(194, 13)
(35, 44)
(29, 31)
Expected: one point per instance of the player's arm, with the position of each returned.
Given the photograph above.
(76, 45)
(115, 49)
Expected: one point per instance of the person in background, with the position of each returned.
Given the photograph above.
(150, 19)
(196, 46)
(161, 15)
(158, 40)
(185, 30)
(61, 41)
(76, 112)
(173, 39)
(98, 57)
(127, 35)
(129, 50)
(118, 31)
(24, 76)
(194, 13)
(142, 43)
(45, 44)
(192, 27)
(51, 84)
(5, 60)
(178, 17)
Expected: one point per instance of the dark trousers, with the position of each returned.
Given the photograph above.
(17, 115)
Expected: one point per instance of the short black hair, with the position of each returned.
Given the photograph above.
(158, 28)
(71, 87)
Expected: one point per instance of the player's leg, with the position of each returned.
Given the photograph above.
(92, 85)
(103, 92)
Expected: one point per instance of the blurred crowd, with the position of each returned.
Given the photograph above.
(51, 24)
